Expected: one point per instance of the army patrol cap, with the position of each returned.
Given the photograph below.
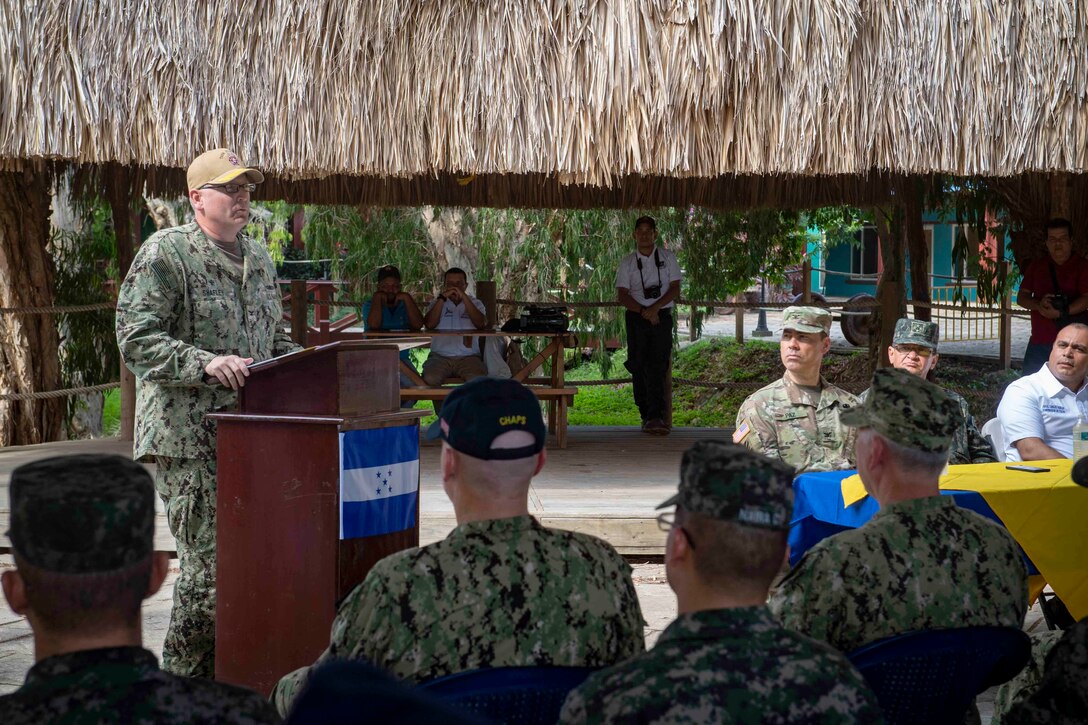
(733, 483)
(219, 166)
(806, 319)
(481, 410)
(82, 514)
(916, 332)
(906, 410)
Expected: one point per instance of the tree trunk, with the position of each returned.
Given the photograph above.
(919, 251)
(28, 343)
(889, 291)
(450, 236)
(123, 200)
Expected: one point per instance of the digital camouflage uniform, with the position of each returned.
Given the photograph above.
(730, 664)
(497, 593)
(1062, 695)
(182, 304)
(1027, 680)
(727, 665)
(786, 423)
(125, 685)
(918, 564)
(79, 516)
(968, 443)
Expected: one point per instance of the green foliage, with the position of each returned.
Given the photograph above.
(86, 265)
(838, 224)
(111, 413)
(268, 223)
(972, 202)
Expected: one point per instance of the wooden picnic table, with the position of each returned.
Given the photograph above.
(552, 389)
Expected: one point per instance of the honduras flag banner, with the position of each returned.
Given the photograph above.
(379, 480)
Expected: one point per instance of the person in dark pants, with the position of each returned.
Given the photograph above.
(647, 283)
(1055, 289)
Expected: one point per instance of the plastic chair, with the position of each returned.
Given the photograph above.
(510, 694)
(992, 430)
(933, 676)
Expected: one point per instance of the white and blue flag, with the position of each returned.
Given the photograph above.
(379, 480)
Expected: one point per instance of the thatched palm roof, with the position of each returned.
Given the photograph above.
(554, 100)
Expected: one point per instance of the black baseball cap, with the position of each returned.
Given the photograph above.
(481, 410)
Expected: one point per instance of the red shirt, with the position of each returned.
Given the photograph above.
(1073, 280)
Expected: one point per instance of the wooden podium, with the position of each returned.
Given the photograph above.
(282, 565)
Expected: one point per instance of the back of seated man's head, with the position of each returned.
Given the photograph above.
(81, 535)
(914, 418)
(496, 427)
(734, 505)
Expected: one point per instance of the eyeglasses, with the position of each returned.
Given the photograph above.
(667, 521)
(919, 351)
(231, 189)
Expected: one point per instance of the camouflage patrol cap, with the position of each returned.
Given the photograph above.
(733, 483)
(806, 319)
(906, 410)
(82, 514)
(916, 332)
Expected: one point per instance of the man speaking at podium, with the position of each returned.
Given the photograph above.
(198, 306)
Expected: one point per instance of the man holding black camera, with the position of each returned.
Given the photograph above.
(1055, 289)
(647, 283)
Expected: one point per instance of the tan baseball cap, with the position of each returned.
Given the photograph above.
(219, 166)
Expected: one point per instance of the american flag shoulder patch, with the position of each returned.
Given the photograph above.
(742, 432)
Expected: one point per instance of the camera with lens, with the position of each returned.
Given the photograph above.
(1061, 303)
(652, 293)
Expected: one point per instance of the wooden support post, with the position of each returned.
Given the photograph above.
(299, 312)
(1004, 332)
(806, 280)
(738, 312)
(485, 292)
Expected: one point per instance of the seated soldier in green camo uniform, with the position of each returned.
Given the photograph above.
(725, 658)
(914, 349)
(1061, 696)
(81, 533)
(500, 590)
(921, 562)
(796, 419)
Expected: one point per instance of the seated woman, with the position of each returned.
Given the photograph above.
(391, 309)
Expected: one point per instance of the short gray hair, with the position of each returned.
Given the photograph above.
(927, 462)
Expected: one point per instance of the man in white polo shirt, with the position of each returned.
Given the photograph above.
(1037, 412)
(647, 283)
(454, 309)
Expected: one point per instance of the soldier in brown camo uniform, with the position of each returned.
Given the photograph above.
(921, 562)
(500, 590)
(199, 304)
(796, 419)
(81, 533)
(1061, 697)
(914, 349)
(725, 658)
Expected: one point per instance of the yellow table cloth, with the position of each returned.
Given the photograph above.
(1046, 513)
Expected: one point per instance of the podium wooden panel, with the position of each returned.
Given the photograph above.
(281, 566)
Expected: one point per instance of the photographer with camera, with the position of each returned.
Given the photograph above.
(1055, 289)
(647, 282)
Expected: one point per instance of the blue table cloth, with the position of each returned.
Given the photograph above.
(818, 511)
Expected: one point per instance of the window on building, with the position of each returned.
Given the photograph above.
(965, 236)
(865, 252)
